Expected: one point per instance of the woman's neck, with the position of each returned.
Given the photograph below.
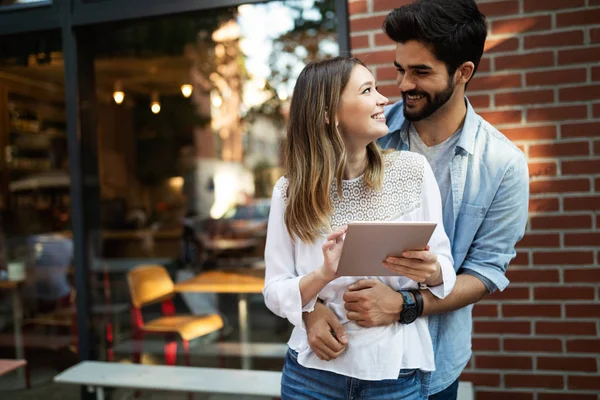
(356, 162)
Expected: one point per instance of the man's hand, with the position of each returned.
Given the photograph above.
(371, 302)
(326, 336)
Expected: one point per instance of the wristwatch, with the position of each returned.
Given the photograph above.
(410, 311)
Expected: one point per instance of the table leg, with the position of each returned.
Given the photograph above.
(244, 331)
(18, 329)
(99, 392)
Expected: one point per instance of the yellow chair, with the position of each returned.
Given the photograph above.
(150, 284)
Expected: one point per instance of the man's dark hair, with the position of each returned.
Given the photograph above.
(454, 30)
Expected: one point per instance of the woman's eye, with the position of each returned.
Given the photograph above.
(367, 90)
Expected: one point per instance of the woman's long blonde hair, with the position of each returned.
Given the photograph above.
(315, 154)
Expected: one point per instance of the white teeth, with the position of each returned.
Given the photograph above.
(412, 97)
(378, 116)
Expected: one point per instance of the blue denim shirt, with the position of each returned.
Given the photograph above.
(490, 195)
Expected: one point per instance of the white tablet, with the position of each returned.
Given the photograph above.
(367, 244)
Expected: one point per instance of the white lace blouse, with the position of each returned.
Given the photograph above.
(409, 193)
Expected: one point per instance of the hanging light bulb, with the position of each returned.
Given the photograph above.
(155, 104)
(118, 94)
(186, 90)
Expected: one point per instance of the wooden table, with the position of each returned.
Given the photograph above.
(17, 307)
(241, 281)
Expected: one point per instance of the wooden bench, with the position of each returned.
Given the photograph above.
(98, 375)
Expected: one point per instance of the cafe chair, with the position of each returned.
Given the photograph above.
(151, 284)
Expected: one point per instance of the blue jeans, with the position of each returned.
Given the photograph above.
(300, 383)
(450, 393)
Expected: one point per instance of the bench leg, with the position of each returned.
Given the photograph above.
(99, 392)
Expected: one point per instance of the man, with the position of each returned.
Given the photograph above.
(483, 180)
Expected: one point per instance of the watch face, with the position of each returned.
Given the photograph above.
(409, 315)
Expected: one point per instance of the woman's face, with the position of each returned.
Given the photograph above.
(360, 114)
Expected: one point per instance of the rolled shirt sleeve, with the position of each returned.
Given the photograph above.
(503, 226)
(282, 283)
(439, 243)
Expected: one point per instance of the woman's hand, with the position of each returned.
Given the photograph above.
(332, 250)
(418, 265)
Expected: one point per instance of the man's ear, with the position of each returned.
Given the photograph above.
(465, 72)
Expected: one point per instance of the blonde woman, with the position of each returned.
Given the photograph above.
(336, 174)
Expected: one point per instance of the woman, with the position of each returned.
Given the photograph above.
(336, 174)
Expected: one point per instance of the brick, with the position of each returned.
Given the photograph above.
(565, 396)
(485, 310)
(559, 186)
(480, 101)
(539, 240)
(596, 74)
(583, 382)
(570, 38)
(560, 113)
(595, 35)
(561, 222)
(502, 327)
(501, 395)
(563, 258)
(589, 54)
(510, 293)
(531, 310)
(556, 77)
(389, 5)
(357, 7)
(532, 275)
(525, 97)
(502, 117)
(565, 328)
(377, 57)
(583, 239)
(544, 204)
(500, 45)
(583, 346)
(533, 381)
(589, 310)
(497, 8)
(581, 364)
(563, 293)
(485, 344)
(537, 5)
(581, 93)
(567, 149)
(504, 362)
(386, 73)
(381, 39)
(587, 203)
(524, 61)
(389, 91)
(580, 167)
(521, 25)
(366, 23)
(542, 169)
(521, 259)
(597, 143)
(359, 41)
(582, 275)
(484, 65)
(481, 379)
(583, 129)
(492, 82)
(575, 18)
(530, 133)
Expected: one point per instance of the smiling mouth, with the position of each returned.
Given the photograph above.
(379, 117)
(414, 97)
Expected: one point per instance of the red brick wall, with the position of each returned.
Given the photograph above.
(539, 83)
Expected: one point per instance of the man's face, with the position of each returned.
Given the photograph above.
(423, 80)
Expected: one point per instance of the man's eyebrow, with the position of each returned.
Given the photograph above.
(416, 66)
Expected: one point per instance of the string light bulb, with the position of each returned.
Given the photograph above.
(155, 104)
(118, 94)
(186, 90)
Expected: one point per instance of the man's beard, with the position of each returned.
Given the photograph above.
(431, 105)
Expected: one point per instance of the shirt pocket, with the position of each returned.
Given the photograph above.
(468, 222)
